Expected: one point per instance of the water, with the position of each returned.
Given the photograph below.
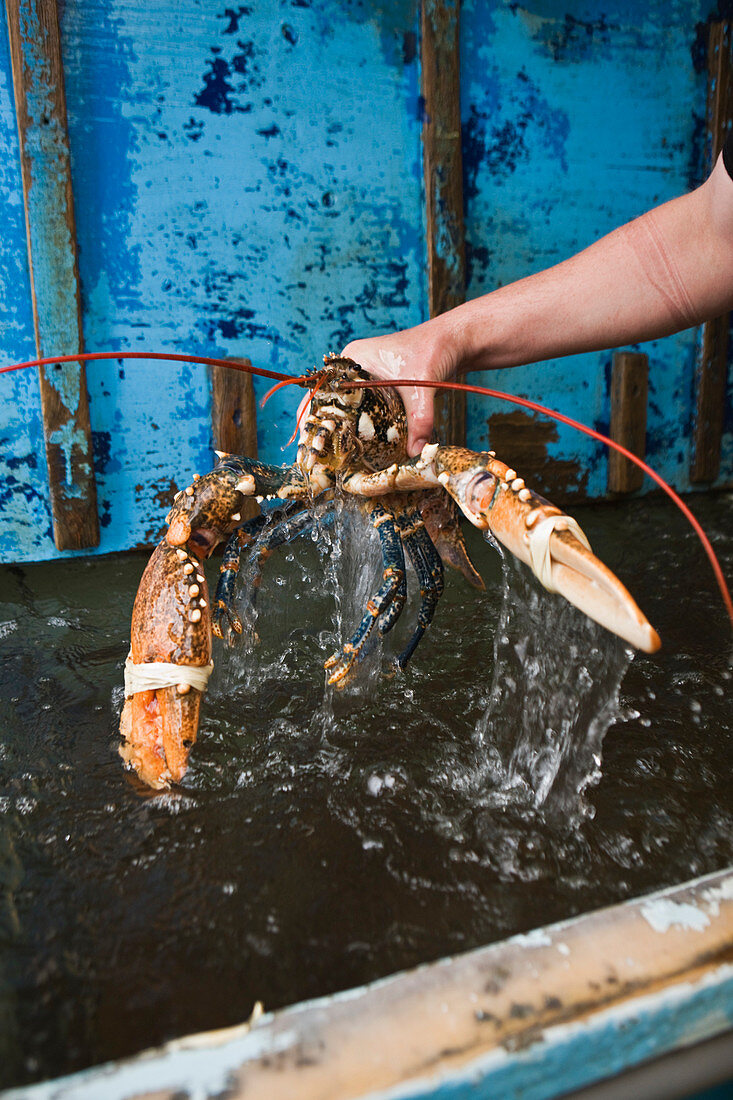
(325, 839)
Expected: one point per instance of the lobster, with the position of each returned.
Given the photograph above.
(353, 440)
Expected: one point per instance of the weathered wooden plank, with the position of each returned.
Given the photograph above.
(443, 171)
(629, 389)
(234, 417)
(713, 365)
(40, 104)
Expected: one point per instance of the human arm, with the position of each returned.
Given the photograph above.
(667, 270)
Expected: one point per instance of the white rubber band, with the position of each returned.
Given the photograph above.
(539, 545)
(159, 674)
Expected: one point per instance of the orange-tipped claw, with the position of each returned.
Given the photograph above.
(579, 576)
(493, 497)
(171, 625)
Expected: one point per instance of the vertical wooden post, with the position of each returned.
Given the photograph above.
(713, 366)
(40, 105)
(444, 183)
(234, 417)
(629, 387)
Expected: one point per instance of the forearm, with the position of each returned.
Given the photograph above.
(666, 271)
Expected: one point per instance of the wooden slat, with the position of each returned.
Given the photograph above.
(40, 103)
(713, 366)
(234, 417)
(629, 388)
(444, 184)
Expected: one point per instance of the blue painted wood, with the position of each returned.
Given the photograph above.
(44, 153)
(248, 183)
(576, 118)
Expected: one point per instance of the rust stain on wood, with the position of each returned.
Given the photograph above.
(629, 389)
(234, 418)
(40, 103)
(443, 169)
(522, 441)
(713, 366)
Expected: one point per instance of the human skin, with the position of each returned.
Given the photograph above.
(667, 270)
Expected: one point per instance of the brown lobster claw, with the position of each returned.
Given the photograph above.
(171, 626)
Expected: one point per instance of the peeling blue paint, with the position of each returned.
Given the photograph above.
(248, 179)
(576, 120)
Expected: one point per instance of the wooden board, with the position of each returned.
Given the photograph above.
(629, 389)
(713, 367)
(40, 104)
(234, 417)
(443, 170)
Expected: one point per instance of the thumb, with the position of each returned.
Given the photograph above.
(419, 406)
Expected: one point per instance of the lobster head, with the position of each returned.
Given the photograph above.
(347, 427)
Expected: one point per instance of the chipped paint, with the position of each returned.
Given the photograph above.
(509, 1019)
(575, 121)
(717, 894)
(664, 914)
(235, 196)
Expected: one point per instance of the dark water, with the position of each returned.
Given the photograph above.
(324, 840)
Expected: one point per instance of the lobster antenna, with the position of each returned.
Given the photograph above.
(174, 357)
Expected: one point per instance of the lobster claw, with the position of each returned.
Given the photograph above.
(550, 542)
(168, 667)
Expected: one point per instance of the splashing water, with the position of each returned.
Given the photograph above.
(555, 692)
(556, 674)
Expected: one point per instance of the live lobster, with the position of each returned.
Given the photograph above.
(352, 440)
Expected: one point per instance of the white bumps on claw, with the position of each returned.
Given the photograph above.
(246, 485)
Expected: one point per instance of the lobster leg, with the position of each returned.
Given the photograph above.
(391, 592)
(286, 526)
(429, 569)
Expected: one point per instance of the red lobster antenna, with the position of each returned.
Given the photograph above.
(314, 379)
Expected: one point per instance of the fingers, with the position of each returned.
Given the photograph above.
(413, 353)
(419, 406)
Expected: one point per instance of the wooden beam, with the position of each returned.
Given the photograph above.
(40, 104)
(234, 417)
(443, 169)
(629, 388)
(713, 365)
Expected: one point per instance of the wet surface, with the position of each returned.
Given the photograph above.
(323, 840)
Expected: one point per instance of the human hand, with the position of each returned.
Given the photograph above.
(420, 352)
